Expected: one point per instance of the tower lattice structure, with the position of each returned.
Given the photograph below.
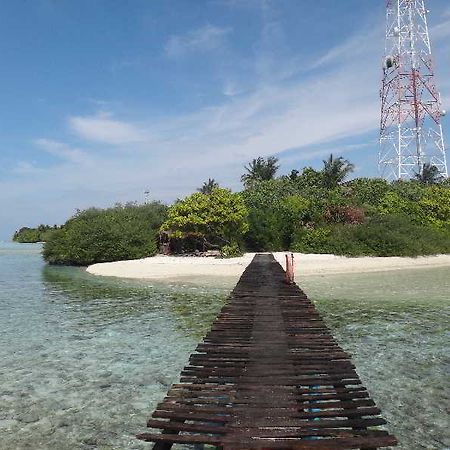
(411, 113)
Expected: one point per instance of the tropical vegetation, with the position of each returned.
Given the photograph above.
(214, 220)
(32, 235)
(101, 235)
(208, 186)
(260, 169)
(308, 210)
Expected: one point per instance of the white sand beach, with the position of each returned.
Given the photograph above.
(183, 267)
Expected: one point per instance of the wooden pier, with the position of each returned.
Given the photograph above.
(269, 375)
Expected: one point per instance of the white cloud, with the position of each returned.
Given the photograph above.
(203, 39)
(105, 130)
(323, 152)
(339, 103)
(63, 151)
(440, 31)
(24, 168)
(352, 49)
(230, 88)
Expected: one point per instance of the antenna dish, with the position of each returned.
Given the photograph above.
(389, 62)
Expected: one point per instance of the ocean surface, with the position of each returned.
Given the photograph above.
(84, 360)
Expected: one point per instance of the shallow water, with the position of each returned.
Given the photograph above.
(84, 360)
(396, 326)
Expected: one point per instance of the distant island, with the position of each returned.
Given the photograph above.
(307, 211)
(27, 235)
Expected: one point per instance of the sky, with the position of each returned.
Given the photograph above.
(103, 100)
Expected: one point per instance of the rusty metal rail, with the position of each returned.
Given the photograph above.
(269, 375)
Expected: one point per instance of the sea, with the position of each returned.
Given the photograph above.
(84, 359)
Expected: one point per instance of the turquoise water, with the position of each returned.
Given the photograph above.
(84, 360)
(396, 326)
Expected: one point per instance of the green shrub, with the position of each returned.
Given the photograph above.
(393, 203)
(312, 240)
(276, 209)
(368, 191)
(435, 206)
(218, 218)
(401, 236)
(96, 235)
(266, 230)
(408, 189)
(231, 251)
(27, 235)
(380, 236)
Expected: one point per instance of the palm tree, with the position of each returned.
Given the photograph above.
(294, 174)
(429, 174)
(208, 186)
(260, 169)
(335, 171)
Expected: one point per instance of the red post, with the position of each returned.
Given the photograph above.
(290, 268)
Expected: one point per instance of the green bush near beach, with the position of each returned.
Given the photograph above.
(379, 236)
(102, 235)
(202, 221)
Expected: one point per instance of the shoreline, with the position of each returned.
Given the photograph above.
(174, 268)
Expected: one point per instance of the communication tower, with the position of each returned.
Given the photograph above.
(411, 108)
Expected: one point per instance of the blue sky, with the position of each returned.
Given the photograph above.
(102, 100)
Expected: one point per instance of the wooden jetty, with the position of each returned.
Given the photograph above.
(269, 375)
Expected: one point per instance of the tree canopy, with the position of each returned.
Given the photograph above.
(219, 218)
(208, 186)
(429, 174)
(32, 235)
(335, 171)
(260, 169)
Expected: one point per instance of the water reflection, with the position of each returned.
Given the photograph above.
(95, 301)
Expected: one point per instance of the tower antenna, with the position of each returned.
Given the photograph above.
(411, 108)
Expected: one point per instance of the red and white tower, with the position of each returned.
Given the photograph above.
(411, 112)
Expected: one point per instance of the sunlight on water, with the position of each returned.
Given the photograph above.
(84, 360)
(395, 324)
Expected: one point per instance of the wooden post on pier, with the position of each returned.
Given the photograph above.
(290, 268)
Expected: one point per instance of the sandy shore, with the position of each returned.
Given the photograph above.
(173, 267)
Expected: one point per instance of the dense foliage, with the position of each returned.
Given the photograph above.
(216, 219)
(317, 211)
(313, 211)
(101, 235)
(379, 236)
(32, 235)
(366, 216)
